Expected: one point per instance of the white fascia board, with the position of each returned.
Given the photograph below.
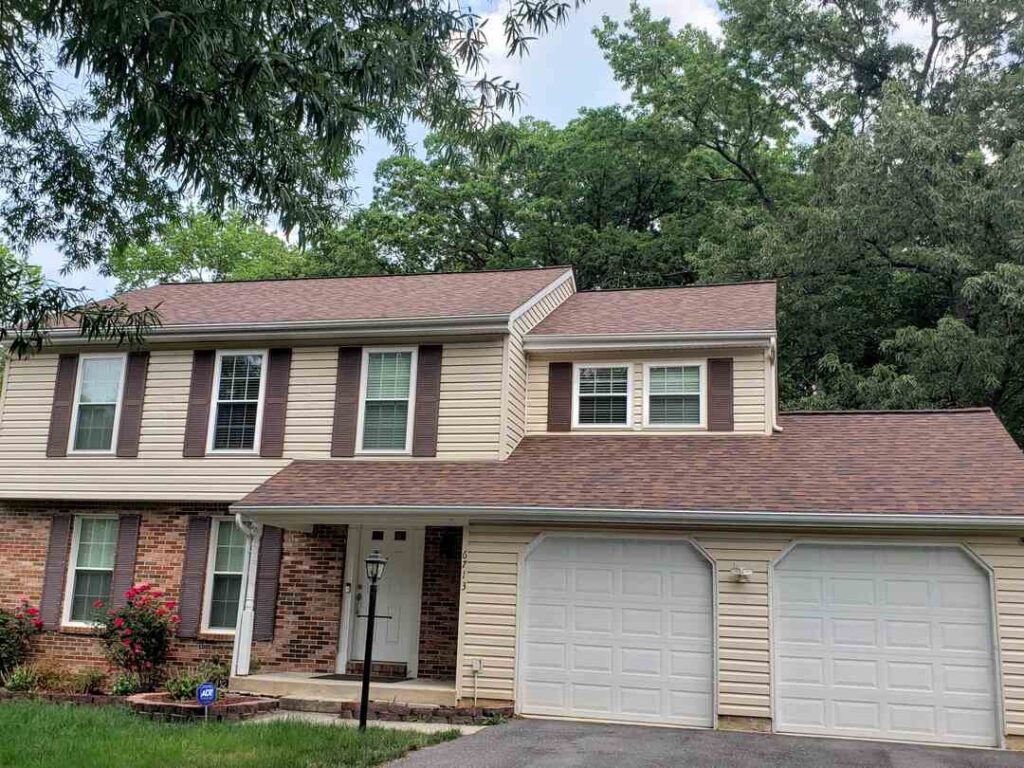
(612, 515)
(593, 342)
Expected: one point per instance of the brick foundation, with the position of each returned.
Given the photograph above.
(439, 611)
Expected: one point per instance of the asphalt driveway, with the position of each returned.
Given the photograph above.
(557, 744)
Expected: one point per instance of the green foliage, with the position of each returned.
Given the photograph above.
(125, 684)
(16, 630)
(182, 685)
(200, 246)
(86, 681)
(23, 678)
(136, 637)
(44, 735)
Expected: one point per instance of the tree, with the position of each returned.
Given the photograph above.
(112, 114)
(204, 247)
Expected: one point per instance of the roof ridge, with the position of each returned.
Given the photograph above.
(766, 281)
(345, 277)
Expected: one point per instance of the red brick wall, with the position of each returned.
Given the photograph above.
(308, 603)
(439, 612)
(305, 636)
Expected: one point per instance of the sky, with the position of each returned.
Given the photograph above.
(563, 73)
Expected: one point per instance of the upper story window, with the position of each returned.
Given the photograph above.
(224, 576)
(603, 396)
(90, 569)
(385, 415)
(674, 395)
(97, 402)
(238, 399)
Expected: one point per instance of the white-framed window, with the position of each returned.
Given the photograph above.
(674, 394)
(602, 395)
(90, 569)
(386, 399)
(97, 406)
(237, 408)
(223, 591)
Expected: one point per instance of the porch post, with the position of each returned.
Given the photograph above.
(241, 652)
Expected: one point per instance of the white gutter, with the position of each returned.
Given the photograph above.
(309, 329)
(585, 341)
(715, 517)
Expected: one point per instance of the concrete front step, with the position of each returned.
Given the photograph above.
(311, 687)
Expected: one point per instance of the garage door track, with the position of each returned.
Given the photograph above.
(560, 744)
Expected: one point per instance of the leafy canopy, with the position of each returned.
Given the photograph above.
(113, 114)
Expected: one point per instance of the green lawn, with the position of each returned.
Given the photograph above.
(40, 735)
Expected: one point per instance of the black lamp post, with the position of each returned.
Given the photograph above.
(375, 565)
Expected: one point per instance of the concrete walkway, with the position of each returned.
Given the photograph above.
(559, 744)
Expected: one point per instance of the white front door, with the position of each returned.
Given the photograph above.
(618, 629)
(396, 631)
(884, 642)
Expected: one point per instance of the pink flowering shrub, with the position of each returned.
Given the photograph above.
(137, 635)
(16, 630)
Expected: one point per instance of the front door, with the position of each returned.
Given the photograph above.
(396, 631)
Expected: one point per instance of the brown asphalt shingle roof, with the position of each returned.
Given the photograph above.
(737, 307)
(436, 295)
(951, 462)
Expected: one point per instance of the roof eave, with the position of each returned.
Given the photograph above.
(854, 520)
(589, 341)
(363, 328)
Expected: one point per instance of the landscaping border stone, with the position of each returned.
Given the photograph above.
(391, 711)
(57, 697)
(233, 707)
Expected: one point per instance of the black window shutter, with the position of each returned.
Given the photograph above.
(55, 571)
(193, 576)
(268, 571)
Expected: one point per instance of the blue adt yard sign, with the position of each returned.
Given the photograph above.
(206, 694)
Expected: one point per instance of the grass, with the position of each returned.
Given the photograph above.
(44, 735)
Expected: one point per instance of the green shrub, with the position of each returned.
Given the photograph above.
(182, 686)
(86, 681)
(24, 677)
(125, 685)
(137, 636)
(16, 629)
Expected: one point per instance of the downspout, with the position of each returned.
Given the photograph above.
(241, 653)
(773, 357)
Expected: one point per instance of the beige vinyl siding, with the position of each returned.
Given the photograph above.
(750, 372)
(468, 428)
(515, 400)
(494, 553)
(469, 416)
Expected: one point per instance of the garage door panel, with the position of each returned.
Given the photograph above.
(637, 644)
(910, 658)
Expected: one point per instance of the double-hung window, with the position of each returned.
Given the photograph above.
(90, 569)
(675, 395)
(603, 396)
(97, 403)
(238, 395)
(388, 383)
(224, 576)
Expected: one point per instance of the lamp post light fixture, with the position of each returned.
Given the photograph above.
(376, 564)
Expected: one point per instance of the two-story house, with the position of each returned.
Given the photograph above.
(589, 502)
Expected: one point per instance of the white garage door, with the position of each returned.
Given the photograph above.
(884, 642)
(618, 629)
